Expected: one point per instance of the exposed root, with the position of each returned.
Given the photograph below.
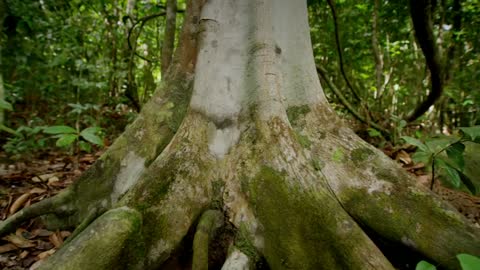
(85, 223)
(54, 205)
(101, 245)
(209, 222)
(237, 260)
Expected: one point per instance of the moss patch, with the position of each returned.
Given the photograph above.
(359, 155)
(299, 225)
(295, 112)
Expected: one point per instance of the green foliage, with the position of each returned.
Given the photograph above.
(424, 265)
(467, 262)
(4, 105)
(445, 154)
(25, 139)
(66, 136)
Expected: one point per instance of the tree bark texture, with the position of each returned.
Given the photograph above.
(257, 142)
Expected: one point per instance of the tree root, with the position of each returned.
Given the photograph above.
(101, 245)
(236, 260)
(85, 223)
(209, 222)
(54, 205)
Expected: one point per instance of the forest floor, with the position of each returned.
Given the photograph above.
(23, 183)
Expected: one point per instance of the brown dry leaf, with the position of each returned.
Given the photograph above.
(56, 239)
(404, 157)
(8, 247)
(36, 265)
(19, 241)
(37, 190)
(24, 254)
(18, 203)
(52, 180)
(43, 245)
(43, 177)
(41, 233)
(46, 254)
(65, 234)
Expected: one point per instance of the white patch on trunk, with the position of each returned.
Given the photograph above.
(132, 167)
(222, 139)
(236, 261)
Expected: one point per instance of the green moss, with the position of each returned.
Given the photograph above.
(317, 164)
(243, 242)
(293, 218)
(295, 112)
(303, 140)
(338, 155)
(361, 154)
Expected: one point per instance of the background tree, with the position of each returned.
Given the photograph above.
(241, 126)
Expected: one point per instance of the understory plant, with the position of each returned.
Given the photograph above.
(444, 155)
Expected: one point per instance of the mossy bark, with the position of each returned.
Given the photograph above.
(259, 144)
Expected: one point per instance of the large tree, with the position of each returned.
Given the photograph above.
(240, 135)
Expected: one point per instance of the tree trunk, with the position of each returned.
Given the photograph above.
(260, 144)
(169, 36)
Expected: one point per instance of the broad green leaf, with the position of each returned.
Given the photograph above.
(373, 132)
(455, 154)
(468, 183)
(66, 140)
(7, 129)
(469, 262)
(472, 132)
(85, 146)
(59, 130)
(439, 144)
(417, 143)
(4, 105)
(424, 265)
(89, 135)
(452, 173)
(423, 157)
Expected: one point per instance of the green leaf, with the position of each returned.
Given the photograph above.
(85, 146)
(59, 130)
(89, 135)
(455, 154)
(7, 129)
(469, 262)
(468, 183)
(472, 132)
(452, 173)
(423, 157)
(4, 105)
(424, 265)
(373, 132)
(417, 143)
(439, 144)
(66, 140)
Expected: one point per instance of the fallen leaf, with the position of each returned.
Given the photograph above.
(41, 232)
(19, 241)
(37, 190)
(18, 203)
(56, 239)
(36, 265)
(404, 157)
(8, 247)
(46, 254)
(42, 245)
(24, 254)
(65, 234)
(52, 180)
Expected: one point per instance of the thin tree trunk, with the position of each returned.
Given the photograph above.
(169, 36)
(260, 144)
